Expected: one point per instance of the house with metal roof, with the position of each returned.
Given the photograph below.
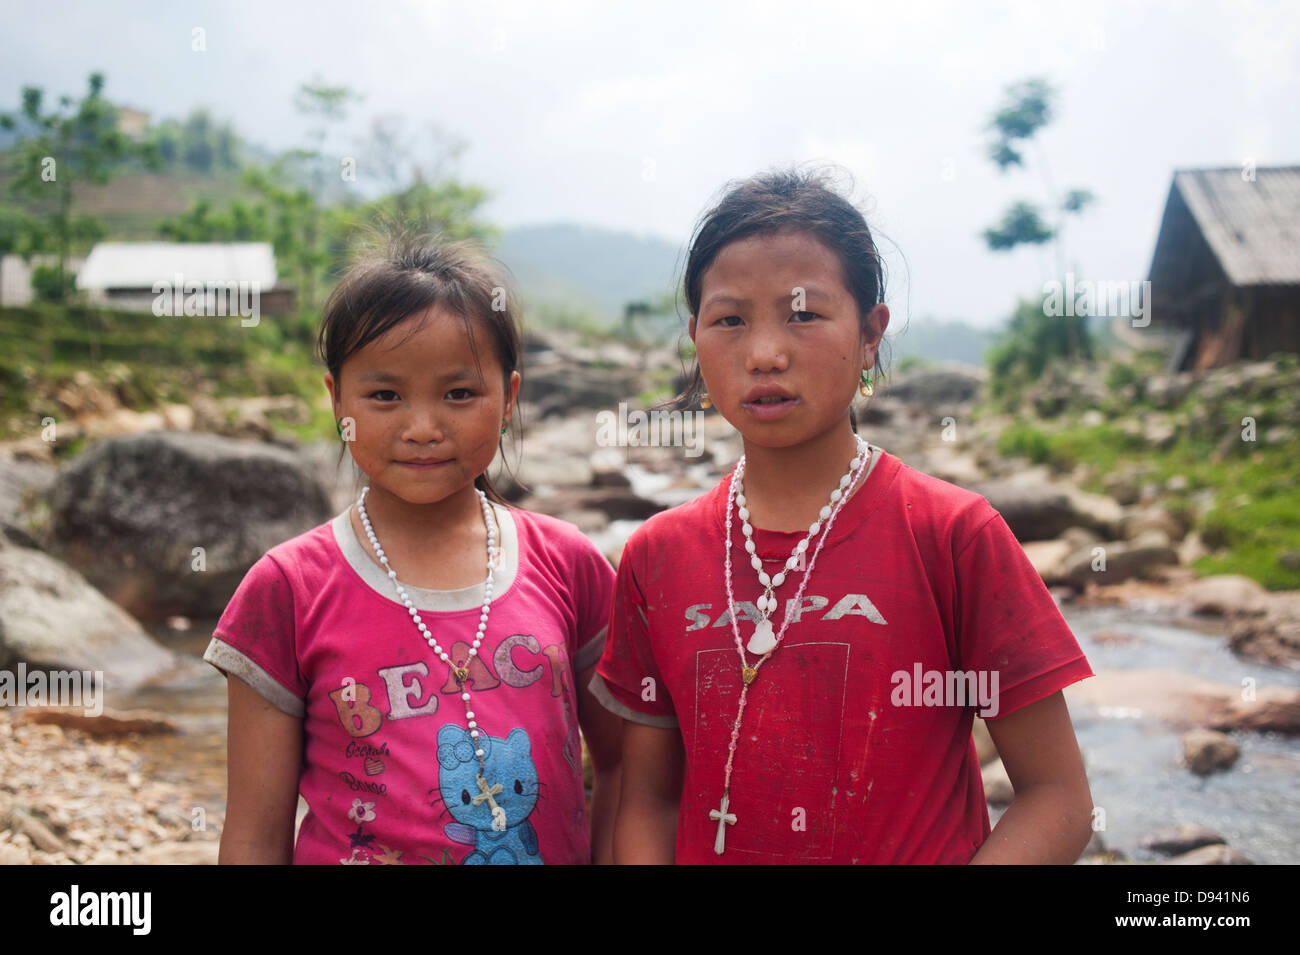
(134, 275)
(1225, 274)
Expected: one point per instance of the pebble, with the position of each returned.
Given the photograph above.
(88, 801)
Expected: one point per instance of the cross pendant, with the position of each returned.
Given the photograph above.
(724, 819)
(485, 794)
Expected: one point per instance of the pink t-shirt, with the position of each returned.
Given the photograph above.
(389, 772)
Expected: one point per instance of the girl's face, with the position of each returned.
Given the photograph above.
(426, 423)
(782, 367)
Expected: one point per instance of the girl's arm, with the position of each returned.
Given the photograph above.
(603, 732)
(654, 765)
(1050, 819)
(264, 758)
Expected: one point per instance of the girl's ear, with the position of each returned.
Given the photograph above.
(691, 328)
(329, 386)
(873, 332)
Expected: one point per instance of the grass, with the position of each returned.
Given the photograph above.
(146, 361)
(1255, 516)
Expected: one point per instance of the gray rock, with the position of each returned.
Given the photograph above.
(1152, 517)
(1210, 855)
(54, 619)
(1123, 560)
(998, 790)
(1179, 839)
(1269, 630)
(1036, 510)
(1048, 558)
(616, 503)
(939, 390)
(129, 513)
(1207, 751)
(1224, 595)
(22, 483)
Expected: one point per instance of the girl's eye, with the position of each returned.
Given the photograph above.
(726, 320)
(810, 315)
(376, 394)
(458, 394)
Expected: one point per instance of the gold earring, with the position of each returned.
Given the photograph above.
(866, 388)
(706, 401)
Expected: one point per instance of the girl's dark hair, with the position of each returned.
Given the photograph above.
(398, 274)
(783, 200)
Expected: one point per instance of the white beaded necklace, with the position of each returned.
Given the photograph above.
(458, 670)
(763, 642)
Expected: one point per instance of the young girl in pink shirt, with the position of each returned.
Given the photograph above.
(417, 668)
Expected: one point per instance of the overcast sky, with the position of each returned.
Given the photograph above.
(634, 116)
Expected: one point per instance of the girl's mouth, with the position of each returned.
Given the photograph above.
(769, 408)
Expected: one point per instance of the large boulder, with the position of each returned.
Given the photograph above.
(54, 619)
(131, 513)
(1123, 560)
(1037, 510)
(1269, 629)
(941, 391)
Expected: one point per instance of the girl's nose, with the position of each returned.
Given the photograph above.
(767, 350)
(423, 427)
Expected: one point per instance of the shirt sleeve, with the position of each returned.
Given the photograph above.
(627, 680)
(255, 639)
(1010, 627)
(593, 581)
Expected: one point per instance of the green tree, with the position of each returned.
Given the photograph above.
(79, 143)
(1027, 109)
(1032, 340)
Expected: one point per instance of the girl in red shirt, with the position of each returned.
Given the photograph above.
(798, 655)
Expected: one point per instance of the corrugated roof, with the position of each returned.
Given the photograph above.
(1253, 228)
(141, 264)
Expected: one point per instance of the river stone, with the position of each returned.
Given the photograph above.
(998, 790)
(1210, 855)
(54, 619)
(1269, 630)
(1224, 595)
(1178, 839)
(130, 511)
(1151, 517)
(986, 749)
(1187, 701)
(1048, 558)
(1124, 560)
(940, 390)
(1037, 510)
(1206, 751)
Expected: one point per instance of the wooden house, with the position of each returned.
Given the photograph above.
(1225, 275)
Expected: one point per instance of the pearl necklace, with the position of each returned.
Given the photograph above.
(459, 670)
(763, 642)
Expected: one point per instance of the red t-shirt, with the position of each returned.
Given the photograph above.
(847, 753)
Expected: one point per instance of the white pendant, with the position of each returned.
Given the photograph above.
(763, 639)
